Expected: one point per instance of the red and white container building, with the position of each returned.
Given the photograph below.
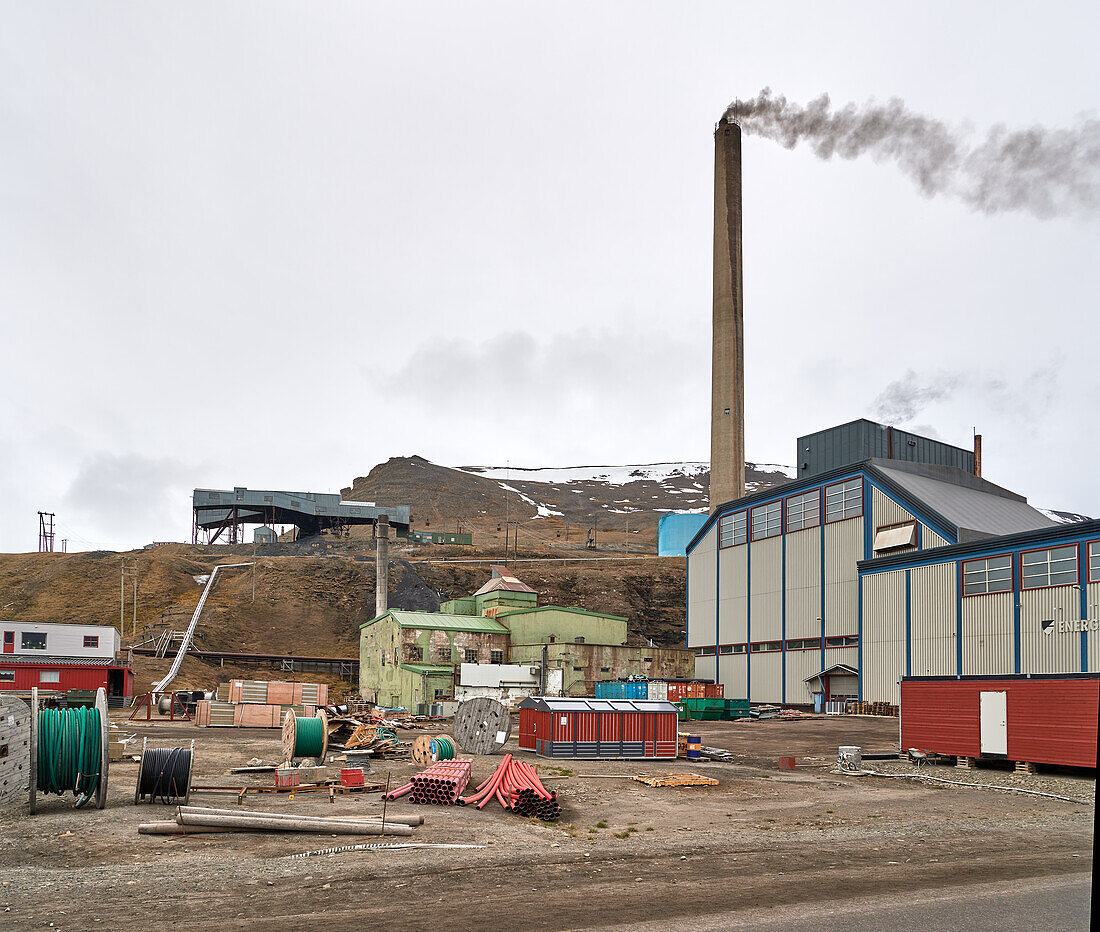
(1032, 718)
(598, 728)
(60, 657)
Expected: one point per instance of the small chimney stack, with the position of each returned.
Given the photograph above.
(381, 565)
(978, 455)
(727, 416)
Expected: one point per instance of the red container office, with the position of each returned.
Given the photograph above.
(1037, 718)
(595, 728)
(63, 674)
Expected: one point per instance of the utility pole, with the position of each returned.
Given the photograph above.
(45, 531)
(129, 571)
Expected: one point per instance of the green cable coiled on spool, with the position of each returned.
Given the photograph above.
(444, 748)
(70, 752)
(308, 737)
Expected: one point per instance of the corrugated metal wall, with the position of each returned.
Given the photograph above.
(701, 590)
(1092, 603)
(733, 611)
(883, 635)
(933, 620)
(800, 664)
(804, 584)
(930, 539)
(1050, 651)
(767, 677)
(704, 668)
(766, 591)
(886, 510)
(987, 629)
(843, 548)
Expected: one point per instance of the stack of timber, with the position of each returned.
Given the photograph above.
(259, 703)
(676, 779)
(195, 820)
(872, 708)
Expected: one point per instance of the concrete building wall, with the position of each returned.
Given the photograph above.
(385, 645)
(563, 624)
(701, 590)
(582, 665)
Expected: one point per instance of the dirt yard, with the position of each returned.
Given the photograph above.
(624, 853)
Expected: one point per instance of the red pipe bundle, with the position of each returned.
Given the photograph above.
(439, 785)
(516, 786)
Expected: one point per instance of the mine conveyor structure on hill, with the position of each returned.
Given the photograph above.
(220, 511)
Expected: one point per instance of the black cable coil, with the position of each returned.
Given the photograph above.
(165, 775)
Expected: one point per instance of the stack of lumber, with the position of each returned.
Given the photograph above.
(677, 779)
(872, 708)
(259, 703)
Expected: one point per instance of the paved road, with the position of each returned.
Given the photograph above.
(1053, 904)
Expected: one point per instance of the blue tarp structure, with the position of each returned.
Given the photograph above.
(675, 531)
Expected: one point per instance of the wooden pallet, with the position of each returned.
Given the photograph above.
(676, 779)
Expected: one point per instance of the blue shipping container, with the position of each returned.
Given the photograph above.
(675, 531)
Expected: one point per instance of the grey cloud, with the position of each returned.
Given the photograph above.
(129, 495)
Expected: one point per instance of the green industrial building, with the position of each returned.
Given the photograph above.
(410, 659)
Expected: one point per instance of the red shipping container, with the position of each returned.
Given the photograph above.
(714, 691)
(1037, 718)
(598, 728)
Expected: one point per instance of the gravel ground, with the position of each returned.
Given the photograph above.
(1080, 788)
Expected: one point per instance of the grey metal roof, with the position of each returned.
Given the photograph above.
(58, 661)
(841, 668)
(554, 704)
(977, 508)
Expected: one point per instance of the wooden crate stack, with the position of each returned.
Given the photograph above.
(872, 708)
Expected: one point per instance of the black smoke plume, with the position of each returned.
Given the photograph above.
(1047, 172)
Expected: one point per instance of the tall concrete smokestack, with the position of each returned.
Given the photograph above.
(727, 413)
(381, 565)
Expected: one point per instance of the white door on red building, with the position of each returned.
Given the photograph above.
(993, 722)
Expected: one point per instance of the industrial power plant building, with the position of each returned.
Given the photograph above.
(888, 556)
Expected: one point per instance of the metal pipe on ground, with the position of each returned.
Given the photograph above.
(391, 818)
(254, 822)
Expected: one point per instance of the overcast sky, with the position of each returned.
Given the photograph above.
(273, 244)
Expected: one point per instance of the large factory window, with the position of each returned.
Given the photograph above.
(844, 500)
(1054, 567)
(993, 574)
(762, 646)
(804, 644)
(767, 520)
(33, 640)
(471, 656)
(732, 529)
(1094, 561)
(847, 640)
(804, 511)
